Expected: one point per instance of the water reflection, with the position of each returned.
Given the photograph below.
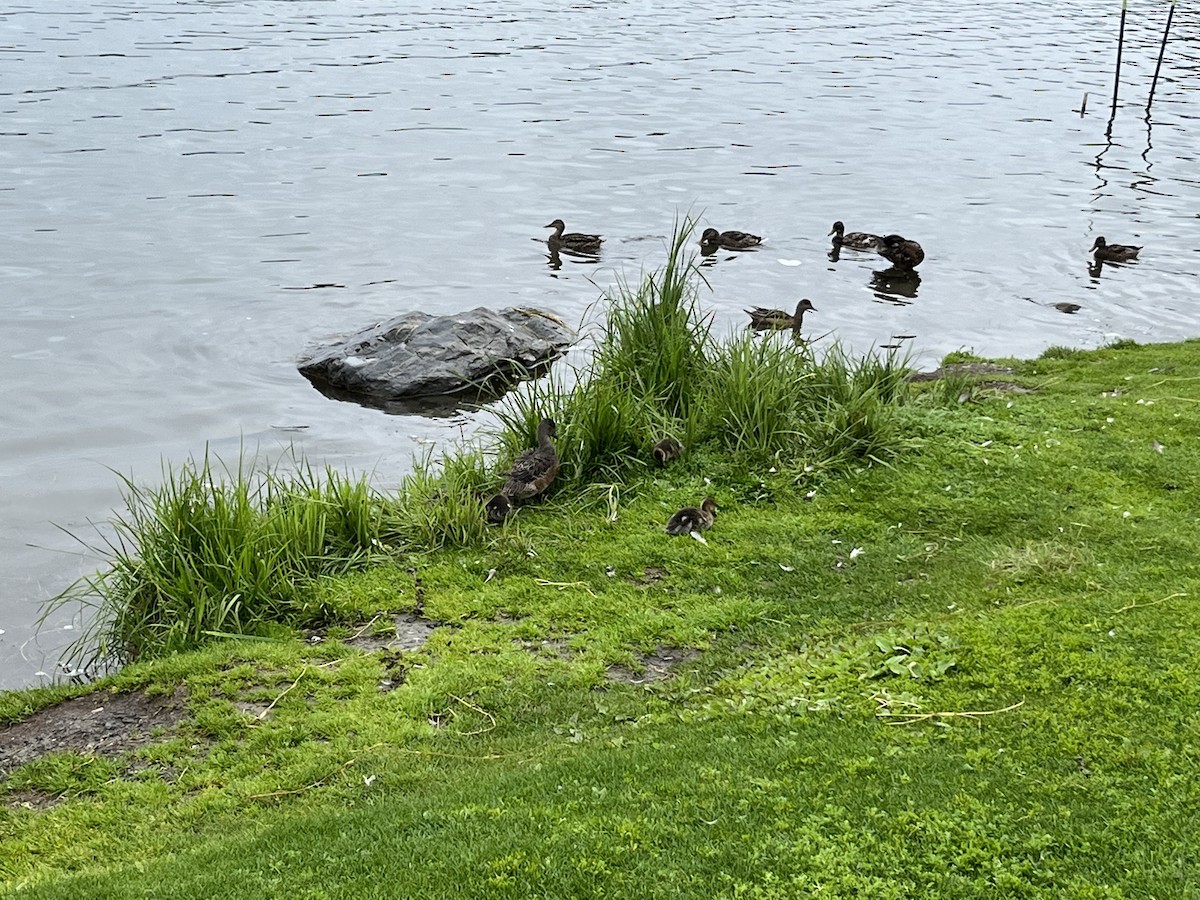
(894, 283)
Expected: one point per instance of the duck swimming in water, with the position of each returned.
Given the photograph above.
(900, 252)
(1114, 252)
(691, 519)
(855, 240)
(531, 473)
(712, 240)
(762, 319)
(574, 241)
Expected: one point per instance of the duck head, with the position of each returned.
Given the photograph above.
(838, 229)
(558, 225)
(1099, 245)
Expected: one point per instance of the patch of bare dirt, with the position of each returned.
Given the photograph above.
(658, 665)
(405, 631)
(102, 724)
(650, 575)
(554, 648)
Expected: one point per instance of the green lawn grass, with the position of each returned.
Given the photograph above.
(970, 672)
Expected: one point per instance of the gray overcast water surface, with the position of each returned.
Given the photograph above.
(195, 192)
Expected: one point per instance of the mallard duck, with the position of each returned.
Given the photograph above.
(666, 450)
(531, 473)
(855, 240)
(1114, 252)
(690, 519)
(712, 239)
(900, 252)
(762, 319)
(574, 241)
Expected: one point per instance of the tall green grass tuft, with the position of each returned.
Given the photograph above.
(755, 394)
(853, 405)
(216, 551)
(655, 343)
(440, 504)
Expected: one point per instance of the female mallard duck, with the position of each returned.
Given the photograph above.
(762, 319)
(900, 252)
(574, 242)
(1114, 252)
(531, 473)
(666, 450)
(712, 240)
(855, 240)
(690, 519)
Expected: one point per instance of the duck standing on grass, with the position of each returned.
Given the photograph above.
(666, 450)
(855, 240)
(712, 240)
(1102, 250)
(690, 519)
(762, 319)
(531, 473)
(573, 242)
(900, 251)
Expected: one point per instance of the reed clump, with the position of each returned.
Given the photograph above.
(213, 551)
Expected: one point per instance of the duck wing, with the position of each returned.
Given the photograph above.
(531, 473)
(860, 240)
(739, 240)
(685, 521)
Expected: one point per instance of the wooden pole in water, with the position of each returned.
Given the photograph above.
(1161, 51)
(1117, 77)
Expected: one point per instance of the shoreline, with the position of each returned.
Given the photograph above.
(965, 670)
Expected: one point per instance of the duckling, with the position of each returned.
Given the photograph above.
(1114, 252)
(573, 242)
(900, 252)
(762, 319)
(498, 508)
(531, 473)
(855, 240)
(711, 240)
(666, 450)
(690, 519)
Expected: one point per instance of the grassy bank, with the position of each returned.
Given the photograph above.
(968, 672)
(220, 550)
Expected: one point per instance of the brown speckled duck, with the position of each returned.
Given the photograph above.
(762, 319)
(712, 240)
(666, 450)
(531, 473)
(900, 252)
(691, 519)
(1114, 252)
(573, 242)
(855, 240)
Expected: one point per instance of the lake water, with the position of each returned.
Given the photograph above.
(195, 192)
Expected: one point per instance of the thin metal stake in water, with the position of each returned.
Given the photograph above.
(1161, 51)
(1117, 77)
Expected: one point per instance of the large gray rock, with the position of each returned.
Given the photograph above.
(420, 355)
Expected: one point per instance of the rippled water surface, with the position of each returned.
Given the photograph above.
(195, 192)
